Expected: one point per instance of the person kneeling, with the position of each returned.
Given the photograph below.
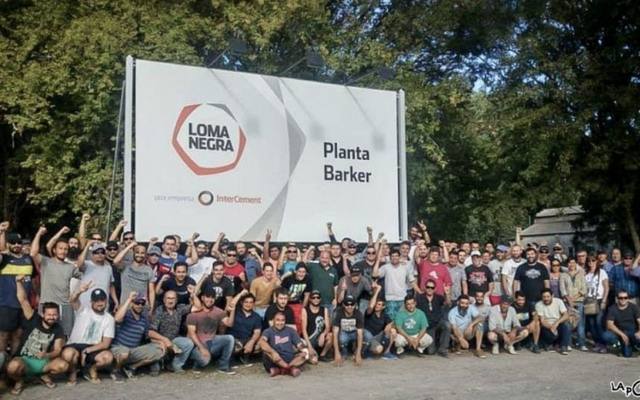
(348, 326)
(91, 336)
(132, 329)
(282, 348)
(412, 325)
(504, 326)
(42, 340)
(554, 325)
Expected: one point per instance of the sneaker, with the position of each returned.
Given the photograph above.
(389, 356)
(495, 349)
(178, 371)
(535, 349)
(117, 376)
(511, 349)
(227, 371)
(244, 360)
(564, 351)
(274, 372)
(480, 354)
(295, 372)
(569, 348)
(325, 358)
(584, 348)
(129, 372)
(399, 350)
(196, 371)
(154, 369)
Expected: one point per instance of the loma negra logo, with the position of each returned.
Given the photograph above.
(208, 138)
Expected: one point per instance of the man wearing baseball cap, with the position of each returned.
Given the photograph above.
(356, 285)
(348, 329)
(479, 277)
(131, 331)
(316, 328)
(91, 336)
(12, 263)
(97, 271)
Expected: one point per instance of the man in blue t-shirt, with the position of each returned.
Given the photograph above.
(282, 348)
(132, 328)
(246, 328)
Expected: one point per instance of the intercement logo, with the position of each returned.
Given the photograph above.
(208, 138)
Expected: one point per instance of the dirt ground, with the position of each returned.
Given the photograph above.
(579, 375)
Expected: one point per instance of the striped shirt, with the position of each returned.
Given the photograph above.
(131, 331)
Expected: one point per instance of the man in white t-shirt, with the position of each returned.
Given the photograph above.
(204, 264)
(91, 336)
(398, 279)
(554, 322)
(509, 270)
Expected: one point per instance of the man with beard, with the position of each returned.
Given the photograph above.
(132, 329)
(457, 274)
(412, 325)
(98, 271)
(479, 277)
(219, 284)
(233, 269)
(528, 319)
(250, 260)
(165, 329)
(504, 326)
(531, 277)
(204, 264)
(41, 345)
(316, 328)
(271, 254)
(398, 279)
(430, 268)
(348, 330)
(366, 265)
(137, 276)
(509, 270)
(357, 286)
(495, 265)
(12, 264)
(554, 321)
(466, 326)
(56, 274)
(379, 332)
(290, 257)
(91, 336)
(203, 327)
(280, 305)
(282, 349)
(341, 264)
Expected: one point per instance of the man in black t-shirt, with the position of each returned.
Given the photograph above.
(623, 324)
(220, 284)
(348, 326)
(316, 328)
(298, 285)
(526, 315)
(479, 277)
(281, 305)
(42, 341)
(531, 277)
(434, 307)
(379, 334)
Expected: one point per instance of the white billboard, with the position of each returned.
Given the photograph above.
(211, 150)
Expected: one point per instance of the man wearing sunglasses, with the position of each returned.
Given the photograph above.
(623, 324)
(434, 307)
(348, 331)
(132, 329)
(233, 269)
(316, 328)
(98, 271)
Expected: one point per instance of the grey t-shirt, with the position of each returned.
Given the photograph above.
(100, 275)
(56, 278)
(135, 279)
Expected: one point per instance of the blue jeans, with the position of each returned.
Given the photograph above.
(562, 336)
(184, 344)
(345, 339)
(594, 325)
(611, 338)
(221, 347)
(582, 336)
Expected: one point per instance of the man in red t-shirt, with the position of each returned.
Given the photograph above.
(233, 269)
(432, 269)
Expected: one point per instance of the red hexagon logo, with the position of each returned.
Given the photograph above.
(208, 138)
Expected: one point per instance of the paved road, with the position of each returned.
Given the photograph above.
(579, 376)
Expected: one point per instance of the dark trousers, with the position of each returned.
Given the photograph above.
(441, 334)
(562, 336)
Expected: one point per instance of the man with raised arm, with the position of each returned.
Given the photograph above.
(41, 345)
(398, 279)
(136, 276)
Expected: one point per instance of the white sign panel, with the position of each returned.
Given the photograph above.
(241, 153)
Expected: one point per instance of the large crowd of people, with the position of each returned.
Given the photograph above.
(82, 306)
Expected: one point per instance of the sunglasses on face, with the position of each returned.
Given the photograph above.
(371, 252)
(544, 251)
(99, 252)
(628, 258)
(623, 298)
(140, 302)
(315, 297)
(430, 287)
(291, 251)
(231, 255)
(113, 249)
(129, 238)
(349, 305)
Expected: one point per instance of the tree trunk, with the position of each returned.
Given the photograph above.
(633, 229)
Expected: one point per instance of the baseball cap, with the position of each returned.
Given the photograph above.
(349, 300)
(356, 269)
(97, 246)
(13, 238)
(140, 299)
(315, 292)
(628, 254)
(502, 248)
(112, 244)
(301, 265)
(154, 250)
(475, 253)
(98, 295)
